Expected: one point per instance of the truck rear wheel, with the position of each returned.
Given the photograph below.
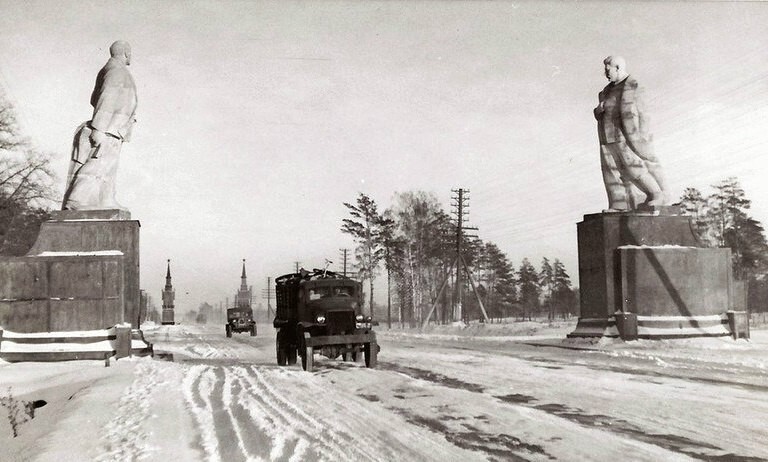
(253, 331)
(280, 351)
(371, 351)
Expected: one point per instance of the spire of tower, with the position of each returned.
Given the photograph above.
(168, 284)
(243, 281)
(168, 295)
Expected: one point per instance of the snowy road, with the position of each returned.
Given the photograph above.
(441, 398)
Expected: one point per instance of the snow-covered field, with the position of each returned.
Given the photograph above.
(498, 392)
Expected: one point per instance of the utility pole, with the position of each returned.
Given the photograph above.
(297, 263)
(344, 253)
(461, 204)
(267, 293)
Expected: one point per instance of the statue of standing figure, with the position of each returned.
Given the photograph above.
(627, 157)
(97, 143)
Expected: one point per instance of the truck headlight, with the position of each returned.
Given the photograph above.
(320, 319)
(359, 318)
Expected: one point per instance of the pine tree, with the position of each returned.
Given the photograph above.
(694, 204)
(732, 227)
(722, 221)
(547, 282)
(366, 228)
(563, 296)
(528, 283)
(499, 280)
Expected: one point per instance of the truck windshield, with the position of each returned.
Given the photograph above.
(343, 291)
(317, 293)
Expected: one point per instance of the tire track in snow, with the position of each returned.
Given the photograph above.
(196, 391)
(230, 440)
(290, 423)
(352, 433)
(274, 435)
(253, 439)
(232, 425)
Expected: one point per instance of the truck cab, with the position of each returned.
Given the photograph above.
(321, 311)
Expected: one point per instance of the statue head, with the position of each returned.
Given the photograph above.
(121, 50)
(615, 68)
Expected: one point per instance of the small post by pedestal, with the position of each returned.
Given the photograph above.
(738, 323)
(626, 323)
(123, 341)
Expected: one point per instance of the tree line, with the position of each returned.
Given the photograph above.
(413, 244)
(722, 219)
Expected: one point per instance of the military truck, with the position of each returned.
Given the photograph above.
(320, 311)
(240, 320)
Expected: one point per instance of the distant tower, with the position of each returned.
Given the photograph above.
(243, 296)
(168, 296)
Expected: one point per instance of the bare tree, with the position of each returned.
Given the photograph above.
(25, 185)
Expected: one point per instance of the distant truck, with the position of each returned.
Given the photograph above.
(240, 320)
(320, 311)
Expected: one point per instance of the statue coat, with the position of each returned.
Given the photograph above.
(114, 100)
(624, 117)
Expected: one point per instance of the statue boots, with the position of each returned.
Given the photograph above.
(654, 168)
(654, 196)
(617, 194)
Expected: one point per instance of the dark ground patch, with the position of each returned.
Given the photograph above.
(504, 446)
(517, 398)
(675, 443)
(433, 377)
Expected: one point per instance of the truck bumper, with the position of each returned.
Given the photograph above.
(326, 340)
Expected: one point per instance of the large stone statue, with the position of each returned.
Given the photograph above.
(97, 143)
(627, 156)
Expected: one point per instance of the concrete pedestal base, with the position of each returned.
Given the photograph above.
(645, 275)
(82, 275)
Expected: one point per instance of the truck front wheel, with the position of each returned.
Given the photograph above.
(308, 359)
(292, 355)
(371, 351)
(308, 356)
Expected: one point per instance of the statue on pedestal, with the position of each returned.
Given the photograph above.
(627, 157)
(97, 142)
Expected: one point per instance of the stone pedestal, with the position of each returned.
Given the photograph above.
(652, 265)
(79, 281)
(97, 231)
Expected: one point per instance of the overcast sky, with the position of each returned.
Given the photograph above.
(257, 120)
